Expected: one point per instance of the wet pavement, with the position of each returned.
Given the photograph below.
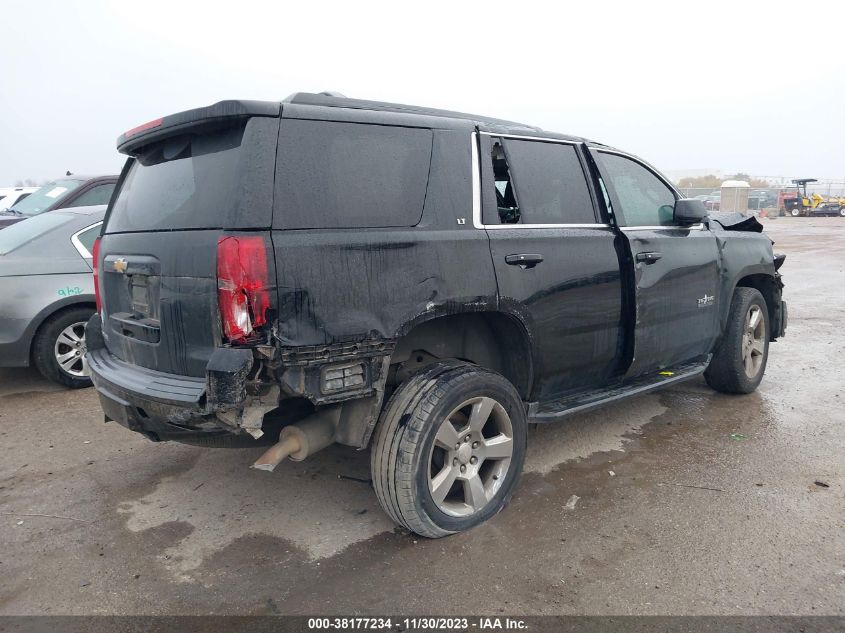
(689, 502)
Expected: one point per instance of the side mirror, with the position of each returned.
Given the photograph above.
(689, 211)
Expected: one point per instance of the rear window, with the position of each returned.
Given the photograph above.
(101, 194)
(202, 179)
(86, 238)
(20, 233)
(348, 175)
(45, 197)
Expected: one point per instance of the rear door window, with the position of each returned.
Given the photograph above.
(540, 183)
(348, 175)
(84, 240)
(101, 194)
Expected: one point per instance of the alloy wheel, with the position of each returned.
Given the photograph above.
(754, 341)
(470, 457)
(69, 350)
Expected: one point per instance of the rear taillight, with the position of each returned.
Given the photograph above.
(242, 285)
(96, 256)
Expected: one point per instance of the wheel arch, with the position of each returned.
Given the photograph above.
(492, 339)
(770, 287)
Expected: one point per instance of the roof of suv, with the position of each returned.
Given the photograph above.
(331, 100)
(337, 101)
(147, 132)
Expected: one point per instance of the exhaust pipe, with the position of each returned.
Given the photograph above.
(299, 441)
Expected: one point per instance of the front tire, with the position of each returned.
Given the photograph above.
(740, 360)
(58, 349)
(449, 449)
(795, 213)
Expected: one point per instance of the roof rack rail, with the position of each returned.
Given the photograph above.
(336, 100)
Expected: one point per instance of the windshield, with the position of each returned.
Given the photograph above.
(17, 235)
(45, 197)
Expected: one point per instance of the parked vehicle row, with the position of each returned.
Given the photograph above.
(63, 193)
(418, 282)
(711, 201)
(47, 287)
(11, 195)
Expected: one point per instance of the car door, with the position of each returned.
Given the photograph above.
(555, 259)
(675, 268)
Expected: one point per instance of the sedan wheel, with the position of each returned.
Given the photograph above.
(58, 349)
(69, 350)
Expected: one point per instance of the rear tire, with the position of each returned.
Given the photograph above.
(449, 448)
(59, 347)
(740, 359)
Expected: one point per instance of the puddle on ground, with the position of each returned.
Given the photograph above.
(605, 429)
(313, 505)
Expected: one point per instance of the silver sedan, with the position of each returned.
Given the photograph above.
(47, 292)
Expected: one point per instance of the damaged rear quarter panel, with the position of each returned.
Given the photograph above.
(338, 285)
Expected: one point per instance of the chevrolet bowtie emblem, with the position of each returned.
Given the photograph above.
(119, 265)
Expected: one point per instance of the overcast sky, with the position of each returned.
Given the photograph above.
(757, 86)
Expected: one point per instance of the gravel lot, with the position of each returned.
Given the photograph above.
(690, 502)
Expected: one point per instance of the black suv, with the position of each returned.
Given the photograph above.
(425, 282)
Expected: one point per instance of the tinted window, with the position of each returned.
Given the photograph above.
(550, 184)
(45, 197)
(18, 234)
(345, 175)
(185, 181)
(88, 237)
(101, 194)
(644, 198)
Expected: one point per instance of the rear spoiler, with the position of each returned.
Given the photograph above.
(165, 126)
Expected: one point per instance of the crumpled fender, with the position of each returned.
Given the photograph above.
(737, 222)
